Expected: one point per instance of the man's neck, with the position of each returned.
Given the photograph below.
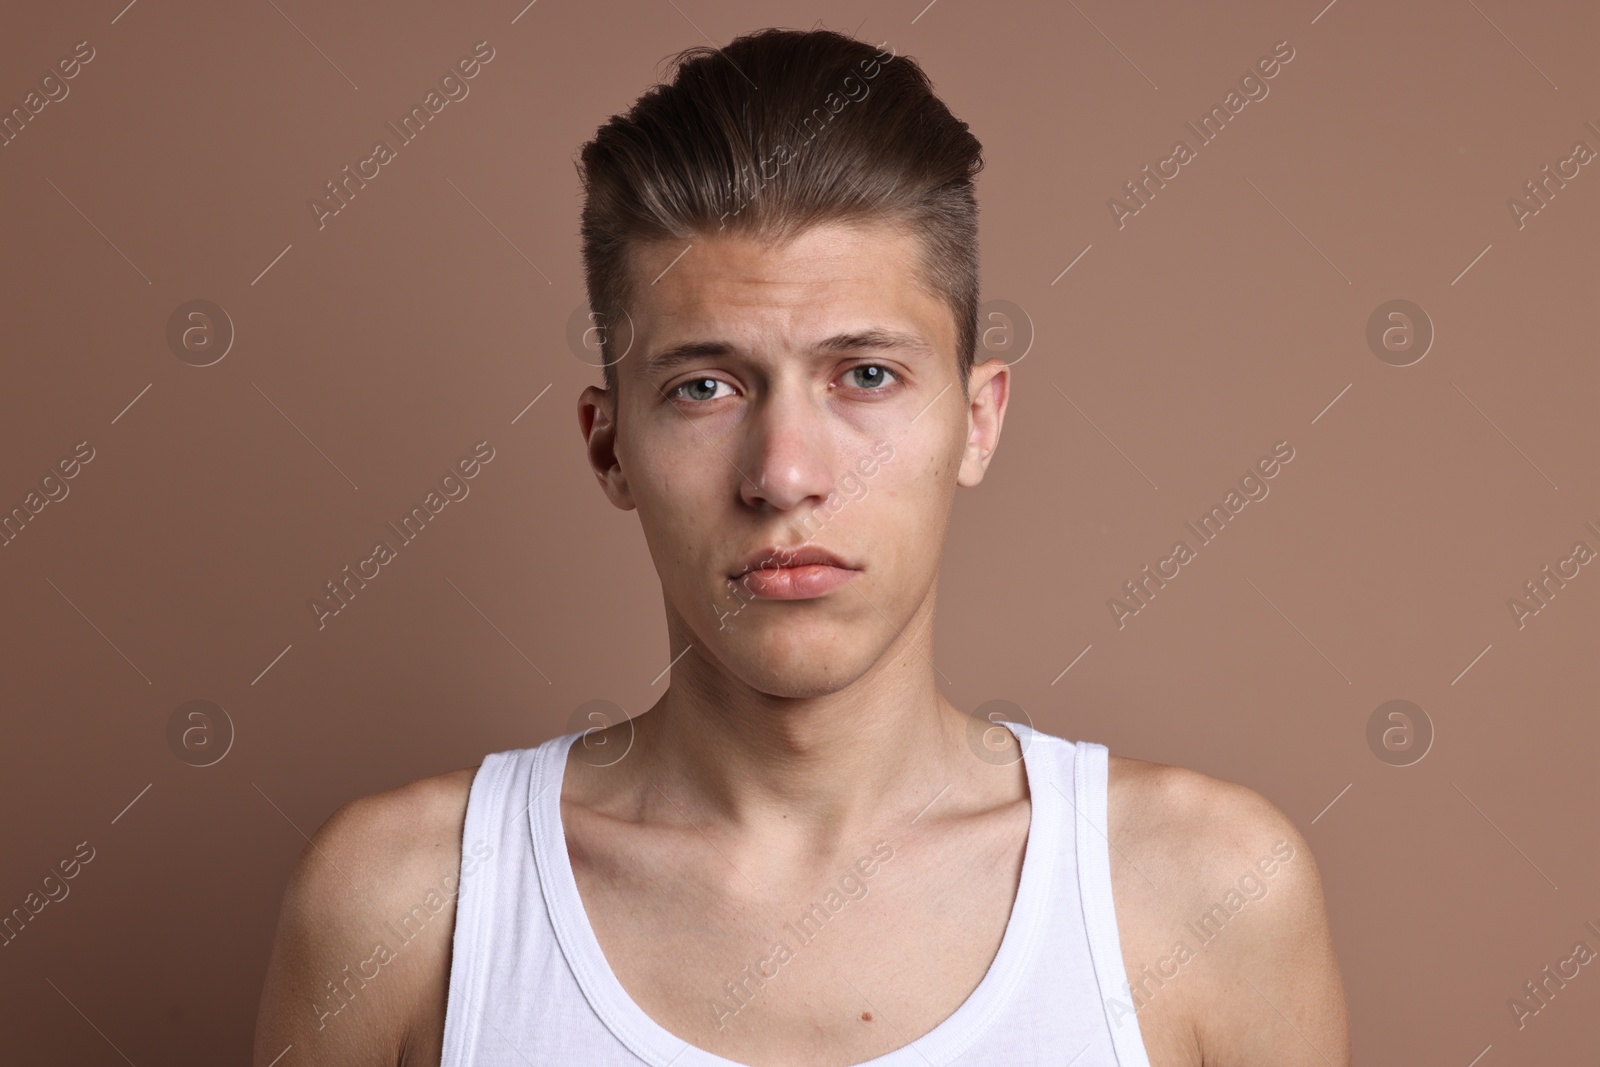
(800, 766)
(805, 771)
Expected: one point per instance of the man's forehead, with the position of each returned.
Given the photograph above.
(812, 255)
(828, 291)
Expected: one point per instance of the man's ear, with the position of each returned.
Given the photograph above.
(989, 385)
(597, 419)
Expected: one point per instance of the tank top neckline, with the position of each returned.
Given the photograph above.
(659, 1047)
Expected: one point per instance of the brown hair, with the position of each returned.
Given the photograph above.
(776, 132)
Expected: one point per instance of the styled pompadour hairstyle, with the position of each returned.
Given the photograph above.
(776, 132)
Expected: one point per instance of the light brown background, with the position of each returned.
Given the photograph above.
(430, 312)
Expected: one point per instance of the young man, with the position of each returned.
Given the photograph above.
(803, 853)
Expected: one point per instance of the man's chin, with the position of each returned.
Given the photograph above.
(794, 661)
(799, 684)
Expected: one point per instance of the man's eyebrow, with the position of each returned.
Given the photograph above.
(877, 338)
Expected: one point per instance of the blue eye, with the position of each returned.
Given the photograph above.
(678, 390)
(876, 379)
(871, 377)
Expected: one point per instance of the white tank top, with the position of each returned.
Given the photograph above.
(530, 985)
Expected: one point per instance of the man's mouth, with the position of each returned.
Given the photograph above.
(778, 556)
(798, 572)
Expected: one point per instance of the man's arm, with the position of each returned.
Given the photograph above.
(363, 942)
(1281, 1000)
(1216, 868)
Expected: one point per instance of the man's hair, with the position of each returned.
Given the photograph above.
(776, 132)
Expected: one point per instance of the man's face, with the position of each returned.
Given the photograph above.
(820, 406)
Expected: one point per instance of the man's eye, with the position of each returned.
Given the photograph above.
(869, 376)
(873, 378)
(691, 389)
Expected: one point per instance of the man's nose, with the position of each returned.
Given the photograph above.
(788, 454)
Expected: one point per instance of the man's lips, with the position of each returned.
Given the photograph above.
(777, 556)
(798, 573)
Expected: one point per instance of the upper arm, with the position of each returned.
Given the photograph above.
(1228, 937)
(363, 934)
(1281, 1000)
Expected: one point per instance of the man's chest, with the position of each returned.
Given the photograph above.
(875, 952)
(856, 958)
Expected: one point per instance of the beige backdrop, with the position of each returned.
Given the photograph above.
(1161, 353)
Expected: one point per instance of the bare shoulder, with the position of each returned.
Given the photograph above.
(360, 964)
(1224, 929)
(1159, 805)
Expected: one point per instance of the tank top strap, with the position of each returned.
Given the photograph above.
(1091, 781)
(498, 902)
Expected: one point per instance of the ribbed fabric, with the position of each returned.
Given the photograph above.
(530, 985)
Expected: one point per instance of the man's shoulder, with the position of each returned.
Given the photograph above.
(1220, 908)
(405, 825)
(379, 851)
(381, 859)
(1183, 840)
(1189, 814)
